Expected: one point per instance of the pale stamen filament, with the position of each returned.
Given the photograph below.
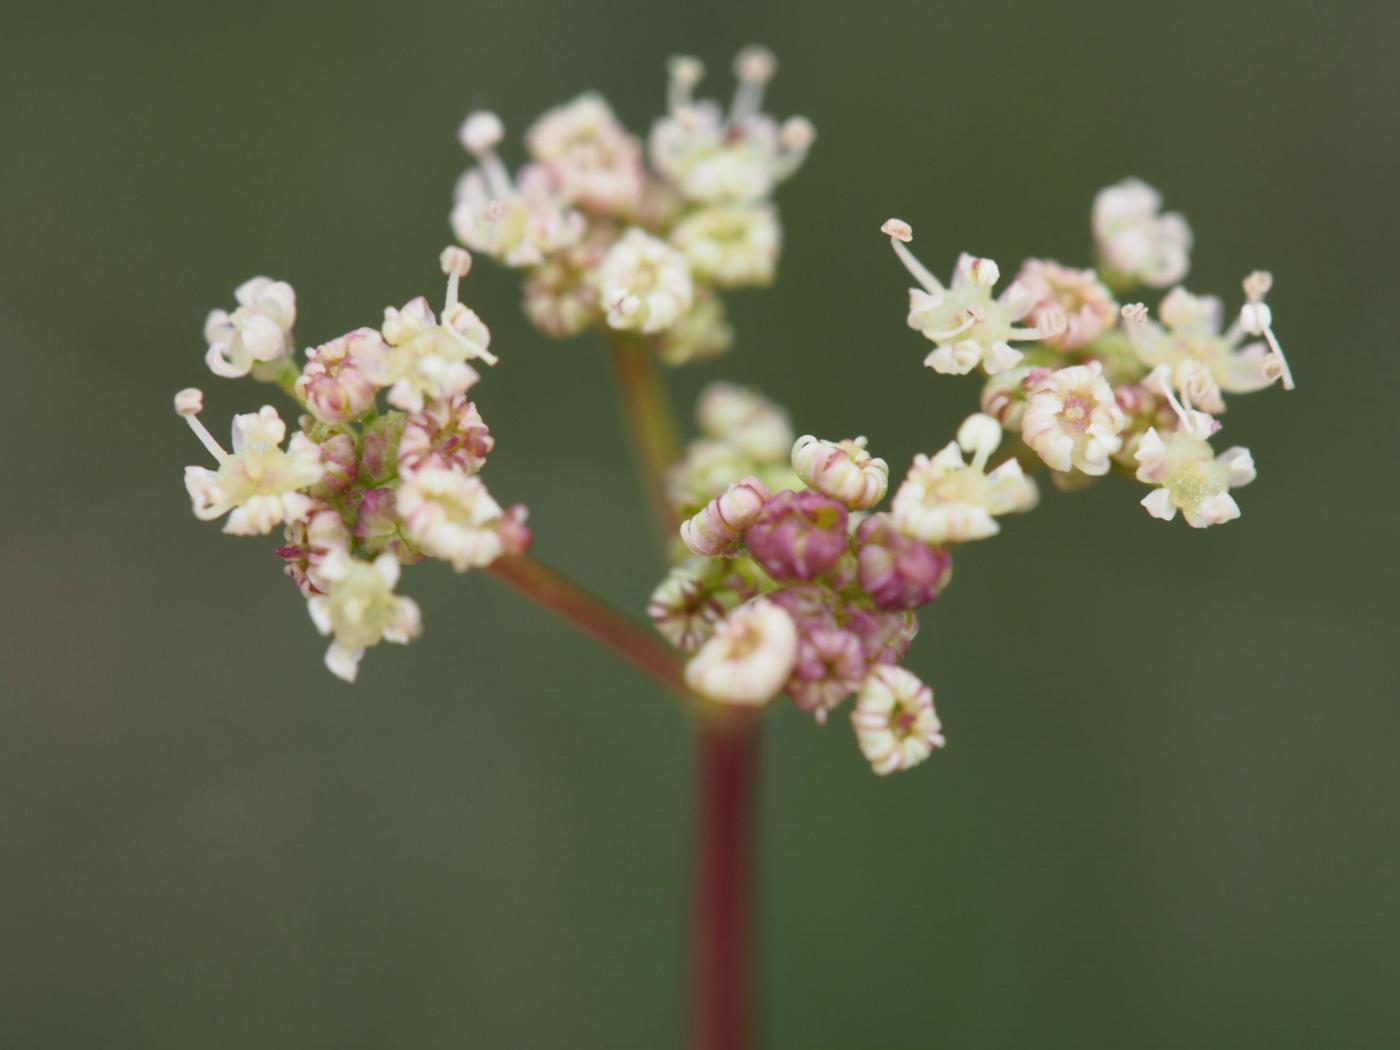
(899, 234)
(188, 404)
(686, 72)
(1257, 319)
(497, 177)
(754, 67)
(456, 263)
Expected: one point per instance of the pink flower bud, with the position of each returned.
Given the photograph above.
(809, 605)
(309, 543)
(896, 571)
(885, 636)
(798, 535)
(716, 530)
(333, 383)
(830, 666)
(842, 470)
(446, 433)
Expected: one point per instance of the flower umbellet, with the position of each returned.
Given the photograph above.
(796, 584)
(631, 236)
(362, 487)
(1094, 388)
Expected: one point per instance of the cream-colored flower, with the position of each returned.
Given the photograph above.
(596, 161)
(894, 720)
(967, 326)
(746, 420)
(842, 470)
(450, 515)
(561, 293)
(259, 486)
(361, 609)
(645, 283)
(1136, 242)
(1203, 359)
(731, 246)
(712, 157)
(720, 524)
(423, 358)
(1072, 420)
(701, 332)
(258, 331)
(517, 221)
(944, 500)
(748, 658)
(1191, 478)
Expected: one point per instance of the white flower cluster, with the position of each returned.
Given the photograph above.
(637, 239)
(360, 491)
(1094, 387)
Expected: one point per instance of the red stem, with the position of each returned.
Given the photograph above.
(576, 607)
(728, 755)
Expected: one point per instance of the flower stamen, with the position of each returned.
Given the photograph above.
(189, 403)
(901, 233)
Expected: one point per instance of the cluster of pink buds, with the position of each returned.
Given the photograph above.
(361, 488)
(798, 584)
(637, 239)
(1092, 387)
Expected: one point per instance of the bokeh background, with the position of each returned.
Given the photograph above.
(1167, 814)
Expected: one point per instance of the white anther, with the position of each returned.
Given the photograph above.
(190, 401)
(898, 229)
(755, 64)
(979, 437)
(797, 134)
(481, 132)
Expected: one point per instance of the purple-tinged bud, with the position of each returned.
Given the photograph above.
(809, 605)
(333, 384)
(377, 527)
(884, 635)
(516, 536)
(798, 535)
(896, 571)
(447, 433)
(309, 543)
(341, 466)
(842, 470)
(379, 452)
(716, 530)
(830, 666)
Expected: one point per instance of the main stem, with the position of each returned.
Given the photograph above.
(728, 756)
(726, 762)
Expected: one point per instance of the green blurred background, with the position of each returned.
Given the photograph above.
(1167, 813)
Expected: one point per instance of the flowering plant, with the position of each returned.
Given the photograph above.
(786, 576)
